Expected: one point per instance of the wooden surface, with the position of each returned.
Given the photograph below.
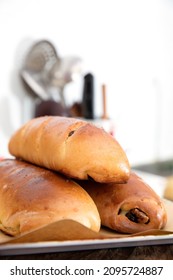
(161, 252)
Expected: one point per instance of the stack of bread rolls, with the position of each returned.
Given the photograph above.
(66, 168)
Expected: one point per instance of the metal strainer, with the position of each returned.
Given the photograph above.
(39, 60)
(45, 74)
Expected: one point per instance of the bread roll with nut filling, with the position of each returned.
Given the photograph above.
(32, 197)
(73, 147)
(127, 208)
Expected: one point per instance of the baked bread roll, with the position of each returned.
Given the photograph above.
(31, 197)
(127, 208)
(168, 192)
(73, 147)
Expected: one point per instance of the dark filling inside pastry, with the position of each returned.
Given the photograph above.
(137, 216)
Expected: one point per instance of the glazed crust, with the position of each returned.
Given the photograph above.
(73, 147)
(127, 208)
(31, 197)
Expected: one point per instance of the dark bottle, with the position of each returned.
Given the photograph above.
(88, 97)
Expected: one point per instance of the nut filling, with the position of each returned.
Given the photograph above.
(137, 216)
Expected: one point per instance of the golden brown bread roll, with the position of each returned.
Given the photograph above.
(31, 197)
(73, 147)
(168, 191)
(128, 208)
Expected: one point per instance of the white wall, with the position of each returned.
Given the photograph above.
(126, 44)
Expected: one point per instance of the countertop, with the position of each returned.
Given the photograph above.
(157, 252)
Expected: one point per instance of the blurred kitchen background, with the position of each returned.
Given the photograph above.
(125, 45)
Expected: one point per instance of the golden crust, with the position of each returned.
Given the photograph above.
(75, 148)
(31, 197)
(128, 208)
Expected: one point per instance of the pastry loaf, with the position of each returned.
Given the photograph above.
(127, 208)
(31, 197)
(73, 147)
(168, 192)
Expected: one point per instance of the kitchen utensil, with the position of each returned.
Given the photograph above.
(45, 75)
(104, 116)
(63, 72)
(38, 62)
